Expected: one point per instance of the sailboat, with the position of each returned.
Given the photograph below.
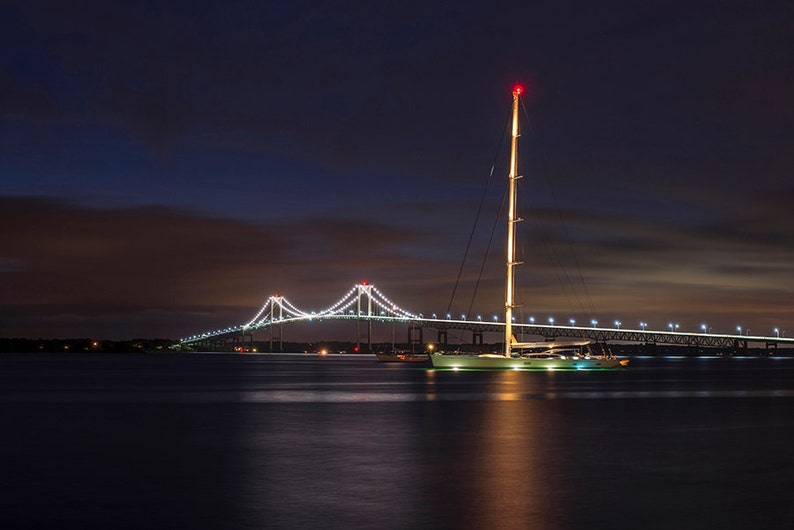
(524, 355)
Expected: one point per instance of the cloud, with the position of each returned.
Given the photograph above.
(381, 118)
(80, 270)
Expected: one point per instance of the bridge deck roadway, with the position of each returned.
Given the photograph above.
(527, 331)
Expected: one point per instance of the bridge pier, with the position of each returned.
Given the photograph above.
(280, 337)
(415, 336)
(442, 338)
(476, 339)
(359, 336)
(649, 348)
(251, 343)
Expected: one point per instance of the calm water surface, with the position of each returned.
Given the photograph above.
(295, 441)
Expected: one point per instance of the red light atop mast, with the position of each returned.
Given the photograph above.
(518, 90)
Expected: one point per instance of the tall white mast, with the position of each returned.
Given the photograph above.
(511, 221)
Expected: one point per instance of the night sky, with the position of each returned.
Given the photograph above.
(166, 166)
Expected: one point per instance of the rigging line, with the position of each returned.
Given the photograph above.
(588, 300)
(488, 249)
(477, 216)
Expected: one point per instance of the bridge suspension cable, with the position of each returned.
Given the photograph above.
(346, 304)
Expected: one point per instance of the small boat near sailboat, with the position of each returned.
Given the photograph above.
(525, 355)
(402, 357)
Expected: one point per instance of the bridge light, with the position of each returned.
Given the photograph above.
(495, 318)
(449, 317)
(739, 330)
(531, 320)
(551, 320)
(777, 332)
(617, 324)
(704, 327)
(594, 322)
(479, 317)
(434, 316)
(643, 325)
(572, 321)
(463, 317)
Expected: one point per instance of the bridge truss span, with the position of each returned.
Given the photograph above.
(365, 302)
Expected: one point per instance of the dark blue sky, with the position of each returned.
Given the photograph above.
(165, 166)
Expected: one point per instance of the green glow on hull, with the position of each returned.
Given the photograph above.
(475, 362)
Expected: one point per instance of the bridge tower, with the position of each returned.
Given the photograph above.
(364, 290)
(276, 301)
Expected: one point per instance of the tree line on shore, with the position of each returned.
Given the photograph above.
(83, 345)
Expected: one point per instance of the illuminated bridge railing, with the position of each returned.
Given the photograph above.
(366, 303)
(704, 340)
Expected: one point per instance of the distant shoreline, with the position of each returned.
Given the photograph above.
(87, 345)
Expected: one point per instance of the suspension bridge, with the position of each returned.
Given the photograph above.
(365, 304)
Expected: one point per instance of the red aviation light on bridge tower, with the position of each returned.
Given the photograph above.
(364, 282)
(518, 90)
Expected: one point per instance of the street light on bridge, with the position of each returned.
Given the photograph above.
(643, 325)
(594, 322)
(777, 332)
(572, 321)
(617, 324)
(551, 320)
(531, 320)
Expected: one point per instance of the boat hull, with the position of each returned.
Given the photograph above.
(495, 362)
